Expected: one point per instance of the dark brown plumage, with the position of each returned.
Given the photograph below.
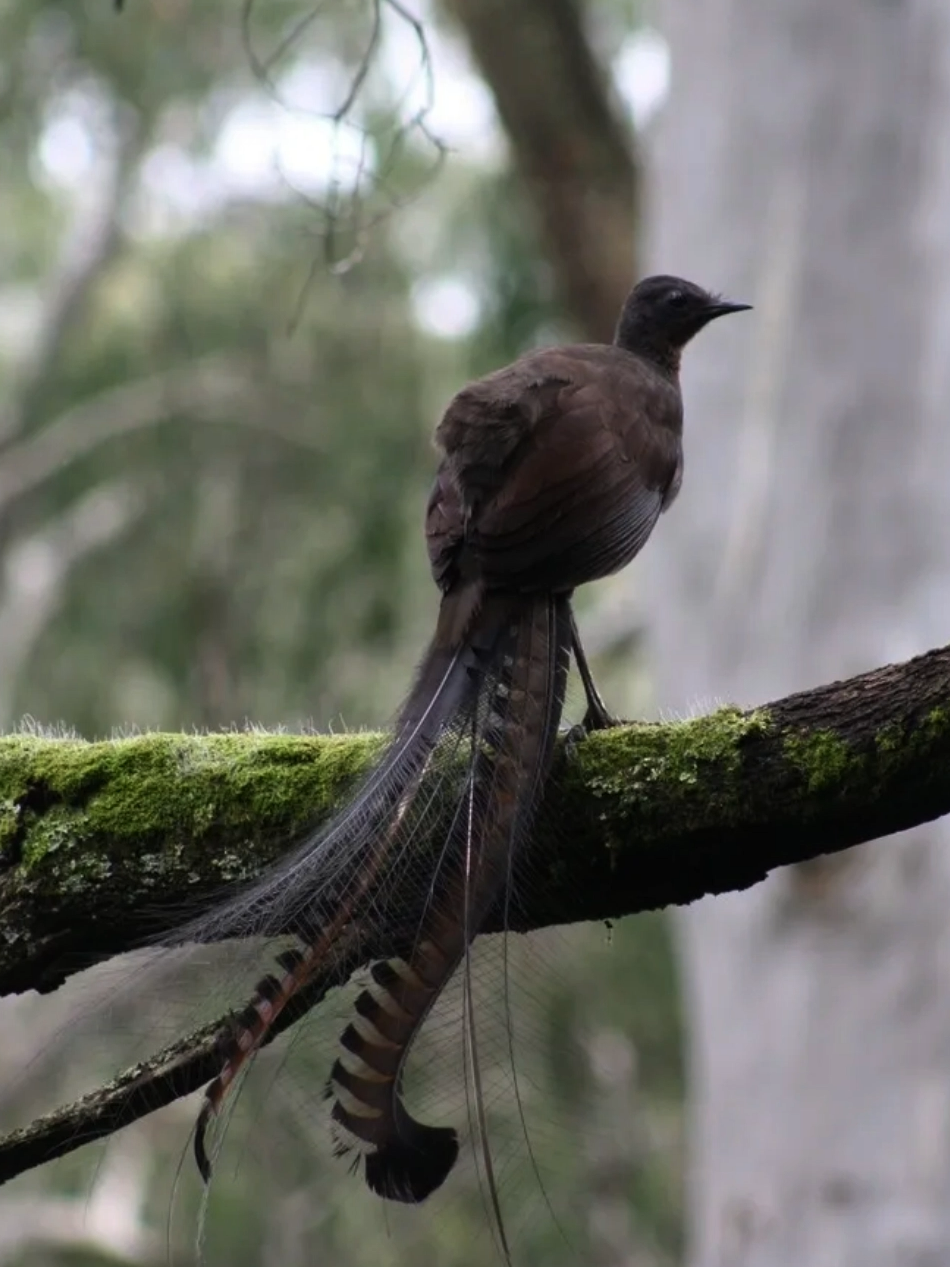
(557, 467)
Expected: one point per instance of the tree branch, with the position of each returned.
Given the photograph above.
(95, 835)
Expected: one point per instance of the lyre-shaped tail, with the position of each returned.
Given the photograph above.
(328, 884)
(512, 720)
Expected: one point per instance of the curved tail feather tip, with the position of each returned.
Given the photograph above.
(410, 1169)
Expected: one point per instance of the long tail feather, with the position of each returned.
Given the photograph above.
(515, 711)
(328, 884)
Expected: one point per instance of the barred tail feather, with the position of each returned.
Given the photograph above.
(359, 841)
(514, 720)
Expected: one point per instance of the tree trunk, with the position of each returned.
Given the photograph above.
(571, 147)
(804, 165)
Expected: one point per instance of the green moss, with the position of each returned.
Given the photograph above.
(897, 744)
(81, 812)
(656, 768)
(823, 758)
(890, 739)
(829, 763)
(650, 751)
(9, 825)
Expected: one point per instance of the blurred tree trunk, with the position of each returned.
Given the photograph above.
(804, 165)
(570, 145)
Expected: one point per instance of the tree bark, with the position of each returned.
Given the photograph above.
(803, 165)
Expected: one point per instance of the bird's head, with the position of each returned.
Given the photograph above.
(663, 313)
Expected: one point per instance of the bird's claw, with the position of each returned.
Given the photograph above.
(594, 719)
(598, 718)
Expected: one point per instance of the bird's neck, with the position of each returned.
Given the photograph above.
(649, 345)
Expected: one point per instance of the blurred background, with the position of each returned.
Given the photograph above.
(249, 251)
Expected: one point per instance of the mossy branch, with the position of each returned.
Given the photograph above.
(97, 839)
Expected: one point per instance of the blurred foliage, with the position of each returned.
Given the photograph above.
(216, 399)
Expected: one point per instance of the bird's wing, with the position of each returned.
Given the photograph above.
(554, 479)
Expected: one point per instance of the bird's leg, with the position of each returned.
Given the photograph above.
(597, 716)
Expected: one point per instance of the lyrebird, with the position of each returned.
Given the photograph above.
(554, 472)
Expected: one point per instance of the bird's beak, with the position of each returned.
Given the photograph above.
(722, 309)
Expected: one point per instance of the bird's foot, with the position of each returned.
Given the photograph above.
(594, 719)
(598, 718)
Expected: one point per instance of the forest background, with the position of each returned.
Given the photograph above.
(238, 279)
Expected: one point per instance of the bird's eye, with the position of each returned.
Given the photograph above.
(676, 299)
